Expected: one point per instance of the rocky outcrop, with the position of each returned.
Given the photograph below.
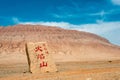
(65, 45)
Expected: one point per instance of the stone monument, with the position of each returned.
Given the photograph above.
(39, 58)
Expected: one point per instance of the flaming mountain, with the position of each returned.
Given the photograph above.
(64, 45)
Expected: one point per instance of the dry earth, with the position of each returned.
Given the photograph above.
(66, 71)
(78, 55)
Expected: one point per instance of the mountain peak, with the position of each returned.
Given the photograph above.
(78, 45)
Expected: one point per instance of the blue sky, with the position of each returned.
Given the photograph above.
(101, 17)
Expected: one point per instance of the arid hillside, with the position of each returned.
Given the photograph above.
(64, 45)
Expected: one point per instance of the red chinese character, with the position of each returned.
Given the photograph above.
(46, 52)
(40, 56)
(43, 64)
(38, 49)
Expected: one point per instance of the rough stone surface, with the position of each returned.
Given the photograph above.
(39, 58)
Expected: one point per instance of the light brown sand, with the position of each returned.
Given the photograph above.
(67, 71)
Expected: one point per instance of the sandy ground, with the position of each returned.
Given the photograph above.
(66, 71)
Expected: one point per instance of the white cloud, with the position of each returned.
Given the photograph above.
(10, 19)
(98, 28)
(101, 13)
(102, 28)
(64, 16)
(57, 24)
(116, 2)
(15, 20)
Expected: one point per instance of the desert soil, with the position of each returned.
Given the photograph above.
(103, 70)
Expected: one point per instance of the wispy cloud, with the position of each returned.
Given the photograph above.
(108, 30)
(55, 24)
(101, 13)
(11, 19)
(66, 16)
(98, 28)
(75, 5)
(116, 2)
(15, 20)
(67, 11)
(102, 29)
